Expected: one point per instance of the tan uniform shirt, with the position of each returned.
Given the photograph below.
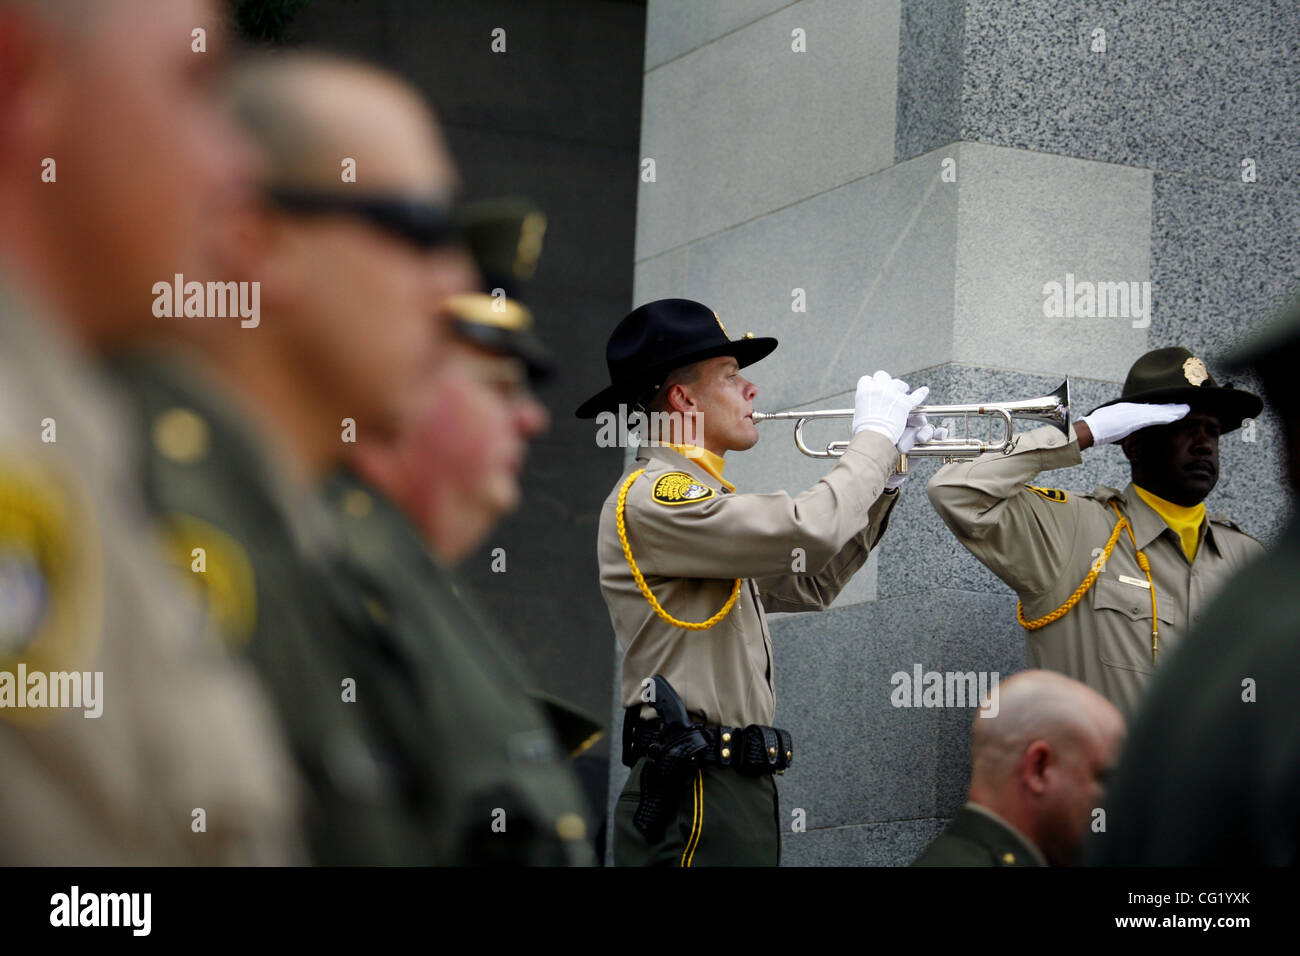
(82, 589)
(1044, 545)
(693, 538)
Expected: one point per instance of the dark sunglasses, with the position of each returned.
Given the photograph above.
(427, 224)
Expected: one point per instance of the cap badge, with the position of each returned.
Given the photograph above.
(1194, 371)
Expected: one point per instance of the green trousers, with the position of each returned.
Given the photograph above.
(723, 819)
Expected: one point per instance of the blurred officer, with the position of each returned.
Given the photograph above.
(1037, 771)
(111, 151)
(688, 569)
(1211, 772)
(427, 497)
(243, 423)
(1110, 582)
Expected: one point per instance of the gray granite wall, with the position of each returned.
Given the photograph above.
(824, 171)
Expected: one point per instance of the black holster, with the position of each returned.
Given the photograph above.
(671, 761)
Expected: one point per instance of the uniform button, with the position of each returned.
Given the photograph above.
(771, 751)
(1008, 858)
(726, 752)
(180, 436)
(570, 827)
(1135, 609)
(726, 738)
(357, 503)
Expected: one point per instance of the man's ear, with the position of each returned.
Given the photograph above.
(1033, 766)
(251, 242)
(679, 400)
(1131, 447)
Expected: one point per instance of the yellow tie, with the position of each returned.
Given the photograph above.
(1184, 520)
(707, 460)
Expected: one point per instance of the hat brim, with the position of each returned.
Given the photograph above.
(519, 344)
(745, 351)
(1229, 405)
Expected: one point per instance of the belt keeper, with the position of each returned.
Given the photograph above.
(727, 745)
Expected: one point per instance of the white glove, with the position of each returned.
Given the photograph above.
(1114, 422)
(918, 430)
(882, 404)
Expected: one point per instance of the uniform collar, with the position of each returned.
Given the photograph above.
(1146, 522)
(713, 464)
(981, 815)
(697, 464)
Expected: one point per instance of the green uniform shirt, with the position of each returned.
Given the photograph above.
(261, 557)
(976, 836)
(506, 790)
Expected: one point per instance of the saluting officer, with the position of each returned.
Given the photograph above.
(1110, 582)
(688, 569)
(1211, 771)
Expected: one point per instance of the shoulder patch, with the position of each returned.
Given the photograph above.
(220, 571)
(1051, 494)
(679, 488)
(50, 576)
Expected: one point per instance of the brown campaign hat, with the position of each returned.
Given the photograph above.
(1175, 375)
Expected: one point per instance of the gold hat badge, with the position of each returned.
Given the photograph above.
(1194, 371)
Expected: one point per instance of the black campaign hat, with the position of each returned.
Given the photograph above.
(661, 336)
(1176, 375)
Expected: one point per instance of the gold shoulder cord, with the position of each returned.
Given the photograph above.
(640, 578)
(1082, 589)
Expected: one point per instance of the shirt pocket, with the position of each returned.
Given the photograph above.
(1121, 620)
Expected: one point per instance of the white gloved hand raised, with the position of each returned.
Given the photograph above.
(918, 430)
(1114, 422)
(883, 404)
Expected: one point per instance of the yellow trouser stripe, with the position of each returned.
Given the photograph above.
(697, 819)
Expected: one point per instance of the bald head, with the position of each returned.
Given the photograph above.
(1042, 705)
(1040, 762)
(310, 112)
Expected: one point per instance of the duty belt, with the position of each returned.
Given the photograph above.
(753, 750)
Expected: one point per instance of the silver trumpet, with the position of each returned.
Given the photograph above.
(1051, 409)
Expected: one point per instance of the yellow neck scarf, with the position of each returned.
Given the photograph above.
(1184, 520)
(707, 460)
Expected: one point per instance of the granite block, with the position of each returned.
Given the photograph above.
(1027, 220)
(1191, 87)
(675, 27)
(858, 756)
(874, 259)
(896, 843)
(746, 125)
(931, 37)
